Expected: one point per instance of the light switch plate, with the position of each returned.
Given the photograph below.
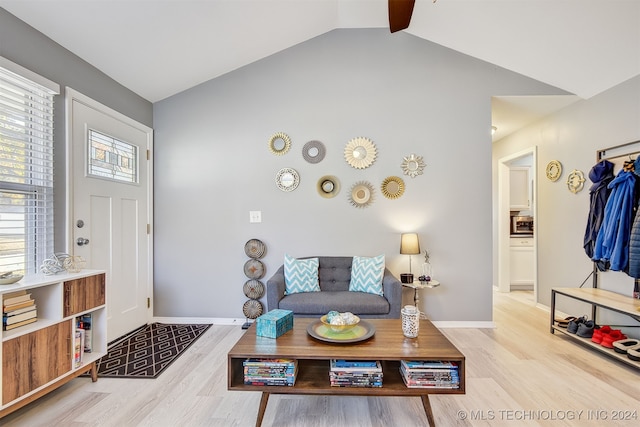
(255, 216)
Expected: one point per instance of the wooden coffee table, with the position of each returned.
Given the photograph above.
(388, 345)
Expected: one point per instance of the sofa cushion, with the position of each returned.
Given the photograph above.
(300, 275)
(334, 273)
(366, 274)
(325, 301)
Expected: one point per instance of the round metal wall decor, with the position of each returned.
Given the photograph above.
(255, 249)
(313, 151)
(253, 289)
(361, 194)
(554, 170)
(254, 269)
(279, 143)
(575, 181)
(360, 153)
(287, 179)
(328, 186)
(392, 187)
(412, 165)
(252, 309)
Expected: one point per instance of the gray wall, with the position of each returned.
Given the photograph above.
(212, 166)
(29, 48)
(572, 136)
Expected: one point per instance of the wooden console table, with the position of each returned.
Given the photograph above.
(388, 345)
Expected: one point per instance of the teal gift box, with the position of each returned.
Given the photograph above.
(274, 323)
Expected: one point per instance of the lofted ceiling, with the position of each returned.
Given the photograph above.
(158, 48)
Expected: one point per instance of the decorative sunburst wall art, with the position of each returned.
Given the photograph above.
(287, 179)
(554, 170)
(361, 194)
(279, 143)
(413, 165)
(575, 181)
(360, 152)
(392, 187)
(328, 186)
(313, 151)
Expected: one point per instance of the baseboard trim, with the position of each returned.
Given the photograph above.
(240, 322)
(201, 320)
(445, 324)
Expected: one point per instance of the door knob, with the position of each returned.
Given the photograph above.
(82, 241)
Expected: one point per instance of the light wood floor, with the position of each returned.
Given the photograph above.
(517, 374)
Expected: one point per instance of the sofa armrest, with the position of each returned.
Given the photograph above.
(275, 289)
(392, 289)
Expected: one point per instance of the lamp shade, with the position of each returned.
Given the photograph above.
(409, 244)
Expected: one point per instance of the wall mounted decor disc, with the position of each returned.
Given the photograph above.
(253, 289)
(328, 186)
(252, 309)
(255, 249)
(254, 269)
(279, 143)
(412, 165)
(287, 179)
(313, 151)
(554, 170)
(392, 187)
(360, 153)
(575, 181)
(361, 194)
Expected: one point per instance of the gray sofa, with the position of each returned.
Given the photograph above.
(334, 274)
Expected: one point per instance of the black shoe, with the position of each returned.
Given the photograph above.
(572, 327)
(585, 330)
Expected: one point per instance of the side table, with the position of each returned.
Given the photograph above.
(420, 285)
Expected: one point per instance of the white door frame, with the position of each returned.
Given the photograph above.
(73, 95)
(504, 226)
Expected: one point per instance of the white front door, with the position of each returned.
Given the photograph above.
(110, 206)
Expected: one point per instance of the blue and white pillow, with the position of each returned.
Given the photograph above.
(300, 275)
(366, 274)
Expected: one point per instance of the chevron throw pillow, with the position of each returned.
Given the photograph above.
(300, 275)
(366, 274)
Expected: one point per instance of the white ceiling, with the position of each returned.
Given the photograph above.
(158, 48)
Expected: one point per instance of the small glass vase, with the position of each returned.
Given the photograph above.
(427, 272)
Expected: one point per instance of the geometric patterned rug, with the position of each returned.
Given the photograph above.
(149, 351)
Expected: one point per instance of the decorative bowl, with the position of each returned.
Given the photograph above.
(10, 280)
(339, 328)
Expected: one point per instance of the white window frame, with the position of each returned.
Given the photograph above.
(38, 186)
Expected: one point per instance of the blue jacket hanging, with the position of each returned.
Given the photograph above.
(612, 243)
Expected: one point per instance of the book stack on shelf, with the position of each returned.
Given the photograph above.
(429, 374)
(82, 339)
(270, 372)
(78, 345)
(84, 322)
(18, 309)
(355, 373)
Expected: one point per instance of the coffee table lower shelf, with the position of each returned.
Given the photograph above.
(313, 379)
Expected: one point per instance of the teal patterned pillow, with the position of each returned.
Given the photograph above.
(300, 275)
(366, 274)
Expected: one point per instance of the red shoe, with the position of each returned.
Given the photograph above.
(599, 333)
(614, 335)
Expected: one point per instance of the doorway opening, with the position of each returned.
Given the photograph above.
(517, 250)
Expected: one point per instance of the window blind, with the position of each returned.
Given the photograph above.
(26, 169)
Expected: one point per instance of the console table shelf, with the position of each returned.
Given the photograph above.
(39, 357)
(313, 378)
(597, 298)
